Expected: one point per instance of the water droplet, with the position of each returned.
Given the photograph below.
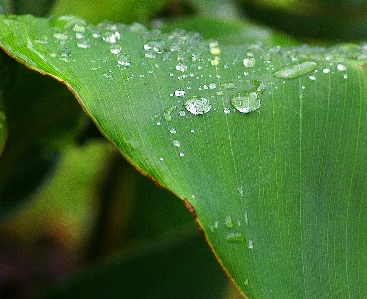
(181, 67)
(341, 67)
(313, 78)
(123, 60)
(296, 70)
(79, 28)
(167, 113)
(84, 44)
(172, 131)
(228, 222)
(215, 61)
(197, 105)
(246, 218)
(246, 282)
(326, 70)
(240, 191)
(111, 37)
(212, 86)
(228, 85)
(250, 244)
(60, 36)
(234, 237)
(182, 154)
(115, 49)
(226, 110)
(214, 48)
(179, 92)
(157, 47)
(249, 62)
(176, 143)
(246, 102)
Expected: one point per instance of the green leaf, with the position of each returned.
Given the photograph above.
(265, 144)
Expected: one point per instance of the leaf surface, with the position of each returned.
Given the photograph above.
(265, 144)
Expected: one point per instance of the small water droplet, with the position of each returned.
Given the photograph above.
(228, 85)
(246, 282)
(179, 92)
(84, 44)
(212, 86)
(246, 102)
(250, 244)
(60, 36)
(326, 70)
(296, 70)
(228, 222)
(111, 37)
(341, 67)
(197, 105)
(167, 113)
(182, 154)
(115, 49)
(123, 60)
(181, 67)
(234, 238)
(249, 62)
(176, 143)
(215, 61)
(240, 191)
(214, 48)
(172, 131)
(246, 218)
(313, 78)
(226, 110)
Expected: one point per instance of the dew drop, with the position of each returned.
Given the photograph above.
(111, 37)
(181, 67)
(172, 131)
(182, 154)
(115, 49)
(84, 44)
(234, 238)
(246, 102)
(60, 36)
(326, 70)
(123, 60)
(251, 244)
(226, 110)
(313, 78)
(228, 85)
(197, 105)
(249, 62)
(179, 92)
(167, 113)
(176, 143)
(341, 67)
(214, 48)
(228, 222)
(246, 218)
(296, 70)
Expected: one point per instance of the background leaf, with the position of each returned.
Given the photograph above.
(265, 144)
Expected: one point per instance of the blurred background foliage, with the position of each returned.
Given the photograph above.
(76, 220)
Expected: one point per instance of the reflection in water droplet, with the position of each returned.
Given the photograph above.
(197, 105)
(228, 222)
(234, 237)
(246, 102)
(296, 70)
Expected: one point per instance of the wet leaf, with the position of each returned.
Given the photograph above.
(266, 145)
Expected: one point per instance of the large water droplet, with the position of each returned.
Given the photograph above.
(296, 70)
(234, 238)
(245, 101)
(197, 105)
(249, 62)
